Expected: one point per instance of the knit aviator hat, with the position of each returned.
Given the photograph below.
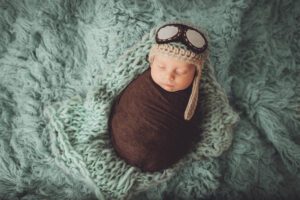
(185, 43)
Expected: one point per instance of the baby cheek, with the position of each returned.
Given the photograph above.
(161, 75)
(185, 82)
(155, 75)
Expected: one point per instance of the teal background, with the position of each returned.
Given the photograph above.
(51, 51)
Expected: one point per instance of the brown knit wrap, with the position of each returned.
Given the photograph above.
(147, 131)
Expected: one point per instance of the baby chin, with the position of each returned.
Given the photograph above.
(168, 88)
(171, 88)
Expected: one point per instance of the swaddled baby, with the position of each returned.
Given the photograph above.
(151, 123)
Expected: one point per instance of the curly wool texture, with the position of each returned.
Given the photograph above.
(83, 123)
(53, 50)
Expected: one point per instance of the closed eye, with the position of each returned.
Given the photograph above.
(161, 67)
(181, 72)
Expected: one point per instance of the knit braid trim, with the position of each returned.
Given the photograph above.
(178, 53)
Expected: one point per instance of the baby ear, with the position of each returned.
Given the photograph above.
(150, 60)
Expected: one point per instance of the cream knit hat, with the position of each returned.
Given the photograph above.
(181, 52)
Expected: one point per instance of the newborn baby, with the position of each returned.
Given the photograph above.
(151, 123)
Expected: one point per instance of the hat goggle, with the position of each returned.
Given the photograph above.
(189, 36)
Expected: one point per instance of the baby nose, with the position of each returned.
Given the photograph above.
(170, 76)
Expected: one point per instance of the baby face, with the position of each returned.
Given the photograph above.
(171, 74)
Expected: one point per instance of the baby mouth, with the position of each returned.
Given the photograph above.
(169, 85)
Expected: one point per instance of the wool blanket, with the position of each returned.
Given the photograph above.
(61, 67)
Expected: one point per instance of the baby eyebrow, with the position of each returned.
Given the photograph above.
(161, 64)
(182, 69)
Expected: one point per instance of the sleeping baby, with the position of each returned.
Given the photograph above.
(152, 123)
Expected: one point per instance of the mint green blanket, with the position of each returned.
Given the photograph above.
(62, 63)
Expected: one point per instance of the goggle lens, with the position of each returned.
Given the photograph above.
(195, 38)
(167, 32)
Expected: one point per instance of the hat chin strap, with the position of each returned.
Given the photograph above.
(192, 104)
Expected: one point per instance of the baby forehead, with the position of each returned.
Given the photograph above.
(169, 61)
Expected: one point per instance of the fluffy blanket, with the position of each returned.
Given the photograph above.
(58, 66)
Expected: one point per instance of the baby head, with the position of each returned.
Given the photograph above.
(172, 74)
(177, 58)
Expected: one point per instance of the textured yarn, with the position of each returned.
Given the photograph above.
(63, 61)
